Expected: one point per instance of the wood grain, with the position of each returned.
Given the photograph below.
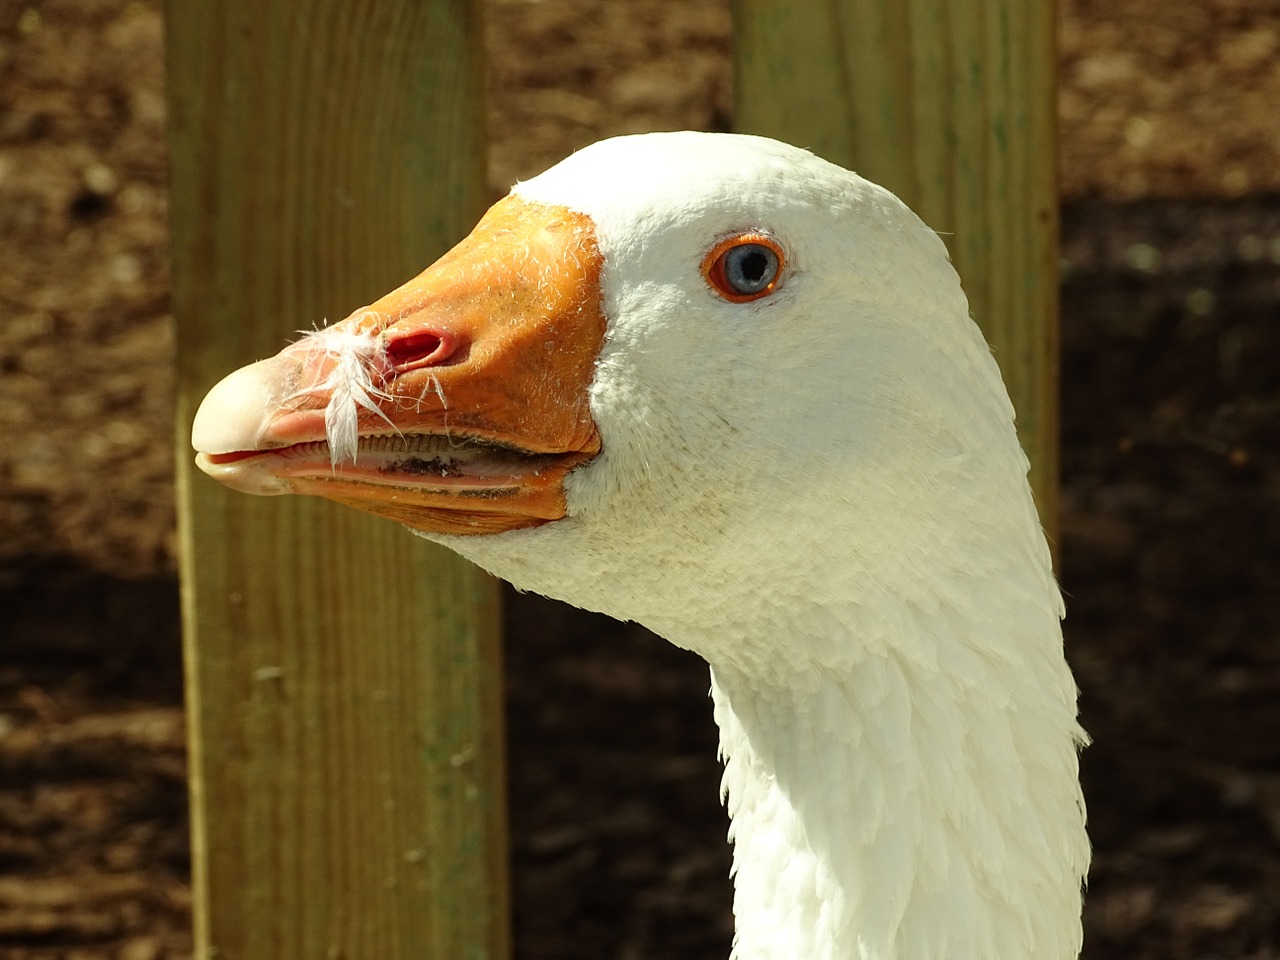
(344, 681)
(951, 105)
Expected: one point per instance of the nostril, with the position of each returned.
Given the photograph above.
(424, 348)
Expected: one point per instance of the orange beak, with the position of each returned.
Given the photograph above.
(456, 404)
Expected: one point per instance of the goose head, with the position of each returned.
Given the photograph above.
(675, 378)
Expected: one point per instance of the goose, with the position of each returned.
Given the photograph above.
(716, 385)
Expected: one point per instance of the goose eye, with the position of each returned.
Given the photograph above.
(745, 267)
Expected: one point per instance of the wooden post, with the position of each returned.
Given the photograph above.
(343, 676)
(950, 104)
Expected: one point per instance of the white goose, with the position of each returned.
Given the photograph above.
(721, 387)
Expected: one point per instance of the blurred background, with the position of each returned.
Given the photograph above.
(1170, 538)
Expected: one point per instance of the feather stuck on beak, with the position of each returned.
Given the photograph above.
(359, 362)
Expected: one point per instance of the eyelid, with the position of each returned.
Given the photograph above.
(713, 265)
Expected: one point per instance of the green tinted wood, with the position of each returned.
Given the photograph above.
(344, 677)
(950, 104)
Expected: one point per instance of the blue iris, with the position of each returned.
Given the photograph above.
(750, 268)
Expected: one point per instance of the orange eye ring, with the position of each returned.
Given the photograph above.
(744, 267)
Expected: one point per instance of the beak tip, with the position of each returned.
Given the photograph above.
(234, 417)
(231, 418)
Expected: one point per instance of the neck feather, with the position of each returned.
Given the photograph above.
(919, 802)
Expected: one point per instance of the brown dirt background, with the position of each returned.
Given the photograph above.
(1170, 540)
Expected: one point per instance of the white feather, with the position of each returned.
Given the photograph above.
(359, 357)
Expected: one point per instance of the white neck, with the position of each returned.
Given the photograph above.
(919, 803)
(898, 722)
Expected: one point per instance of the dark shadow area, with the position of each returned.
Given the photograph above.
(94, 846)
(1171, 560)
(89, 633)
(618, 831)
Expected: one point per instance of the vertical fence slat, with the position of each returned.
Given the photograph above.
(950, 104)
(343, 677)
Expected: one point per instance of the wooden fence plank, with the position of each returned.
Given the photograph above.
(950, 104)
(344, 684)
